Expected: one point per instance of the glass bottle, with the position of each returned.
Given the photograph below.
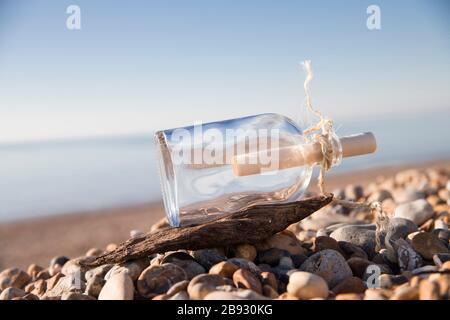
(209, 170)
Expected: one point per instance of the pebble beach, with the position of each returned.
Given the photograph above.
(337, 253)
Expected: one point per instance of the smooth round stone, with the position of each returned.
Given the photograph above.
(208, 257)
(13, 277)
(224, 269)
(358, 266)
(429, 290)
(350, 250)
(350, 285)
(11, 293)
(442, 234)
(59, 260)
(70, 283)
(305, 285)
(417, 211)
(182, 295)
(33, 270)
(402, 227)
(94, 252)
(272, 256)
(136, 234)
(178, 287)
(286, 262)
(94, 286)
(322, 243)
(203, 284)
(298, 259)
(269, 292)
(245, 264)
(358, 236)
(133, 268)
(380, 196)
(74, 266)
(186, 262)
(282, 273)
(408, 195)
(353, 192)
(328, 264)
(118, 287)
(246, 251)
(37, 288)
(349, 296)
(222, 295)
(406, 293)
(100, 272)
(269, 279)
(428, 244)
(243, 278)
(284, 241)
(158, 279)
(425, 269)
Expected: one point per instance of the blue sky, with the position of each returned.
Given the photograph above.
(137, 66)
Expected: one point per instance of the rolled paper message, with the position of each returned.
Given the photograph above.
(299, 155)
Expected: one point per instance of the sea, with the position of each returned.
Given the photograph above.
(64, 176)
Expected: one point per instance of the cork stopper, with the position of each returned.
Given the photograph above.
(300, 155)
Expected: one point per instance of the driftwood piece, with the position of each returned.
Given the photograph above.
(251, 225)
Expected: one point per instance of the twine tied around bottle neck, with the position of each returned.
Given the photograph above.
(322, 131)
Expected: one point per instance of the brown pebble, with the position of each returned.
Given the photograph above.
(243, 278)
(349, 296)
(359, 266)
(428, 244)
(323, 242)
(269, 292)
(224, 269)
(37, 288)
(13, 277)
(445, 266)
(444, 286)
(161, 297)
(246, 251)
(350, 285)
(406, 293)
(428, 290)
(94, 252)
(34, 269)
(111, 247)
(268, 278)
(287, 296)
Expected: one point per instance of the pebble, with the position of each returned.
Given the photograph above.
(380, 196)
(245, 264)
(428, 290)
(428, 244)
(246, 251)
(417, 211)
(13, 277)
(269, 279)
(208, 257)
(298, 259)
(224, 269)
(322, 243)
(94, 252)
(94, 286)
(353, 192)
(359, 266)
(286, 262)
(37, 288)
(407, 195)
(11, 293)
(401, 227)
(329, 264)
(33, 270)
(70, 283)
(269, 292)
(118, 287)
(100, 272)
(272, 256)
(158, 279)
(203, 284)
(376, 294)
(178, 287)
(406, 293)
(186, 262)
(59, 260)
(349, 296)
(133, 268)
(350, 285)
(74, 266)
(350, 250)
(305, 285)
(243, 278)
(284, 241)
(136, 234)
(357, 235)
(182, 295)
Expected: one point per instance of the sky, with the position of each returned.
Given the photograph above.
(138, 66)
